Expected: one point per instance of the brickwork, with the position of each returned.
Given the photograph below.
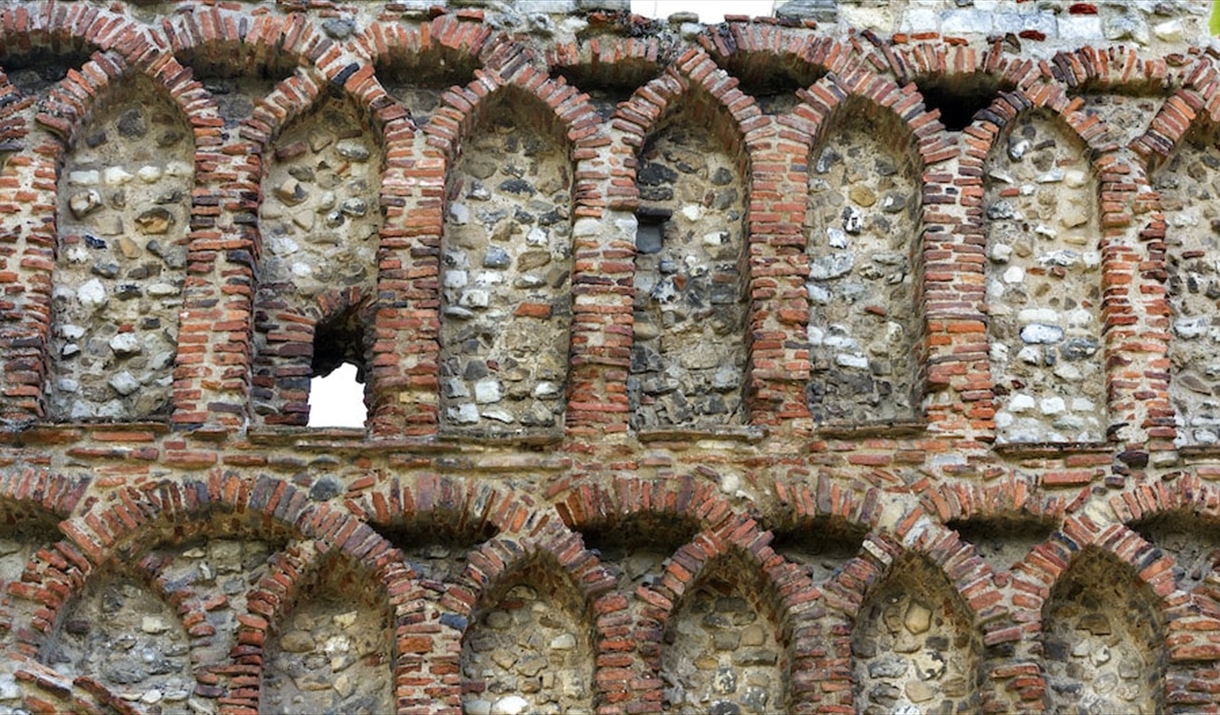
(852, 360)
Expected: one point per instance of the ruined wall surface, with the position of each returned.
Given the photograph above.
(857, 359)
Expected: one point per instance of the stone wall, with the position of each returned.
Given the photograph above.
(857, 359)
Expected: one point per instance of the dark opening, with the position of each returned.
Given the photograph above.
(338, 348)
(35, 72)
(650, 228)
(959, 97)
(772, 82)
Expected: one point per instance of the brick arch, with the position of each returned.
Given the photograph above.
(993, 125)
(970, 578)
(918, 134)
(244, 43)
(292, 570)
(435, 620)
(41, 500)
(501, 562)
(558, 105)
(119, 531)
(1013, 496)
(69, 107)
(1186, 642)
(1049, 561)
(970, 581)
(780, 47)
(594, 505)
(1188, 494)
(46, 24)
(692, 83)
(1186, 491)
(786, 590)
(1189, 107)
(824, 101)
(446, 38)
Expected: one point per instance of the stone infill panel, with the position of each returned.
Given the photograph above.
(851, 360)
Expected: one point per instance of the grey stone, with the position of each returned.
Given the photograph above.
(338, 28)
(327, 487)
(724, 707)
(132, 124)
(125, 344)
(853, 220)
(724, 681)
(105, 269)
(888, 667)
(124, 383)
(352, 149)
(1001, 210)
(496, 257)
(355, 207)
(831, 266)
(1040, 333)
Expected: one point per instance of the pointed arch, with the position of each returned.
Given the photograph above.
(506, 270)
(866, 333)
(1044, 271)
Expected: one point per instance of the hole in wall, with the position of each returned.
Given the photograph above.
(821, 546)
(36, 72)
(336, 385)
(337, 399)
(959, 97)
(1003, 542)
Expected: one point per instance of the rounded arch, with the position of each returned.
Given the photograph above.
(547, 100)
(750, 51)
(1047, 563)
(212, 38)
(593, 505)
(444, 47)
(1155, 601)
(26, 27)
(300, 575)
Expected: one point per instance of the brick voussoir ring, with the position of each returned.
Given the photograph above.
(693, 77)
(29, 26)
(385, 44)
(292, 569)
(770, 43)
(1184, 110)
(592, 505)
(1011, 497)
(783, 587)
(1046, 563)
(268, 38)
(495, 565)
